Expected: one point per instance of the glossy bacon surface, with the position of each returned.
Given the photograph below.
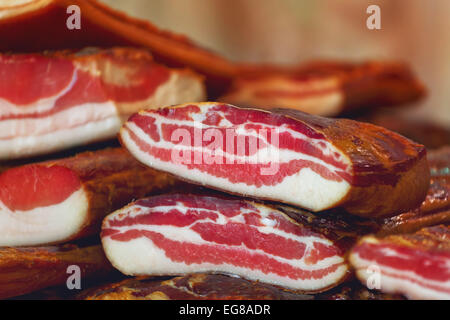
(415, 265)
(191, 287)
(182, 233)
(326, 88)
(65, 199)
(27, 269)
(58, 100)
(283, 155)
(435, 209)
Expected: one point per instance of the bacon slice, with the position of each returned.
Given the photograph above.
(66, 199)
(326, 88)
(41, 25)
(416, 265)
(286, 156)
(54, 101)
(24, 270)
(190, 287)
(178, 234)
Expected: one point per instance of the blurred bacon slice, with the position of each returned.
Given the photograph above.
(283, 155)
(183, 233)
(191, 287)
(415, 265)
(326, 88)
(41, 25)
(332, 87)
(27, 269)
(58, 100)
(66, 199)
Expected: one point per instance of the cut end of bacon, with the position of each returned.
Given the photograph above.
(60, 200)
(283, 155)
(58, 100)
(191, 287)
(325, 88)
(179, 234)
(415, 265)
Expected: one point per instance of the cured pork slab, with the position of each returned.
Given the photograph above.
(65, 199)
(415, 265)
(42, 25)
(284, 155)
(184, 233)
(191, 287)
(27, 269)
(326, 88)
(58, 100)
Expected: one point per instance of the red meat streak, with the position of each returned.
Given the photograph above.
(29, 187)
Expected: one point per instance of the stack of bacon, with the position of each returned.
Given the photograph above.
(244, 236)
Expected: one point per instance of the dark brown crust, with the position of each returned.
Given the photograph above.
(435, 209)
(112, 178)
(191, 287)
(354, 290)
(45, 28)
(390, 172)
(24, 270)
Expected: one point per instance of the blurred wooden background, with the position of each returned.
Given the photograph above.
(291, 31)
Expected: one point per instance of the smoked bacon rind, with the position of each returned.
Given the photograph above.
(57, 100)
(66, 199)
(435, 209)
(188, 233)
(27, 269)
(325, 88)
(416, 265)
(190, 287)
(283, 155)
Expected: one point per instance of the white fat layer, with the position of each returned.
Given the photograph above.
(399, 281)
(43, 225)
(305, 188)
(65, 136)
(41, 105)
(69, 118)
(141, 256)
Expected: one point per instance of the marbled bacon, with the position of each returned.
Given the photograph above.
(183, 233)
(62, 99)
(285, 155)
